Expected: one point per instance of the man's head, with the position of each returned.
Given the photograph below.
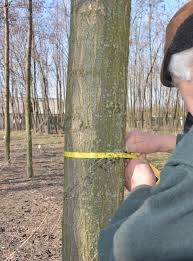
(179, 38)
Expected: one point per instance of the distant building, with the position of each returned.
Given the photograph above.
(45, 112)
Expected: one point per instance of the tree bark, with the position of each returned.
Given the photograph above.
(28, 110)
(7, 77)
(95, 121)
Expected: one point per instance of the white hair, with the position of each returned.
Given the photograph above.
(181, 64)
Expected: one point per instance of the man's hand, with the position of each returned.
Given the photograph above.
(144, 142)
(138, 172)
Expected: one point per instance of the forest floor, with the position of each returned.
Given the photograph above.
(31, 209)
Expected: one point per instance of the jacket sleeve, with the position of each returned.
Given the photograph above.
(127, 208)
(162, 228)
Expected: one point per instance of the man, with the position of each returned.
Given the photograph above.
(155, 222)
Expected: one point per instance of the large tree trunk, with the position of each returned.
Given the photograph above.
(28, 95)
(95, 121)
(7, 116)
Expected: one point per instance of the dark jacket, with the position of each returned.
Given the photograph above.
(156, 223)
(188, 122)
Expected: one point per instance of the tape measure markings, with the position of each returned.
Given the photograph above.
(99, 155)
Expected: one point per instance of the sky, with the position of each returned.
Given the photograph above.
(173, 5)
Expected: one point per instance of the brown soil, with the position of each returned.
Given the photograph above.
(31, 209)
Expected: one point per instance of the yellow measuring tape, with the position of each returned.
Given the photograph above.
(108, 155)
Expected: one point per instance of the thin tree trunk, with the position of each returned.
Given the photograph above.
(28, 96)
(95, 121)
(57, 89)
(168, 108)
(176, 112)
(7, 76)
(150, 58)
(2, 109)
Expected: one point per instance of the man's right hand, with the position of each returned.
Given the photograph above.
(144, 142)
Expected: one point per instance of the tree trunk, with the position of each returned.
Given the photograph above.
(7, 116)
(28, 95)
(95, 121)
(150, 58)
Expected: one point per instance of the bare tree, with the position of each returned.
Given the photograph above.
(28, 110)
(7, 77)
(95, 121)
